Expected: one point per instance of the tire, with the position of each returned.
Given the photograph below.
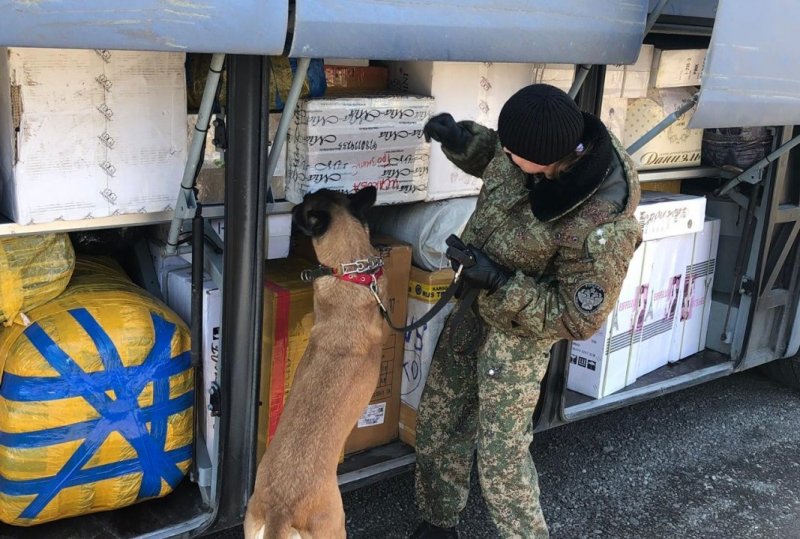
(784, 371)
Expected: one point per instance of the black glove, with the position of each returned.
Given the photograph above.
(444, 129)
(478, 269)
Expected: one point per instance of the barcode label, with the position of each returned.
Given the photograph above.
(373, 415)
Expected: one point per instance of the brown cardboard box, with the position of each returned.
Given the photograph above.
(343, 80)
(288, 317)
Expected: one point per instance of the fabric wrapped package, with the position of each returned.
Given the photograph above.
(96, 401)
(33, 270)
(426, 226)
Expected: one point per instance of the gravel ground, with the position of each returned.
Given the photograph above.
(719, 460)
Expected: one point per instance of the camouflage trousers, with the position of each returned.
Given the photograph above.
(485, 399)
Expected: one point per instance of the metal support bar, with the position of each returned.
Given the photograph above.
(186, 204)
(580, 78)
(753, 174)
(286, 116)
(663, 125)
(242, 296)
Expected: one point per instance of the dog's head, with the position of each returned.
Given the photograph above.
(336, 222)
(319, 210)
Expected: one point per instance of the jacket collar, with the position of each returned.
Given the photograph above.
(551, 199)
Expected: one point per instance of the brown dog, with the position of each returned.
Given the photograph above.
(296, 493)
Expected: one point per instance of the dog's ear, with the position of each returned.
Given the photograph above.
(362, 200)
(312, 222)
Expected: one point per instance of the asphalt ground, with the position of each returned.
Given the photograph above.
(720, 460)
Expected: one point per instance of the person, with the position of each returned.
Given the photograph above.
(552, 235)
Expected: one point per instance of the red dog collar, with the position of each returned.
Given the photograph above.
(365, 279)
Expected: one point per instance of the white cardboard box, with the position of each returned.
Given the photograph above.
(665, 260)
(677, 146)
(469, 91)
(90, 133)
(665, 214)
(631, 80)
(678, 68)
(348, 143)
(179, 299)
(602, 364)
(280, 233)
(695, 297)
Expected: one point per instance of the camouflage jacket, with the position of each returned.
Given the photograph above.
(568, 267)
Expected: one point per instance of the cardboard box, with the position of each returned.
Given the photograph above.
(279, 228)
(424, 290)
(179, 297)
(348, 143)
(631, 80)
(90, 134)
(469, 91)
(665, 260)
(677, 68)
(343, 80)
(604, 363)
(677, 146)
(695, 294)
(288, 318)
(385, 404)
(664, 214)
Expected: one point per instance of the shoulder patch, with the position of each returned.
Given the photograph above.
(589, 297)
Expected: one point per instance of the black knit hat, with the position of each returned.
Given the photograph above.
(540, 123)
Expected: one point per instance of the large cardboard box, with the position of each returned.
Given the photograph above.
(630, 80)
(288, 318)
(89, 134)
(348, 143)
(695, 294)
(380, 422)
(665, 214)
(677, 146)
(604, 363)
(179, 298)
(424, 290)
(469, 91)
(678, 68)
(665, 260)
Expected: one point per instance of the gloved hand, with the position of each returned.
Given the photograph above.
(444, 129)
(478, 269)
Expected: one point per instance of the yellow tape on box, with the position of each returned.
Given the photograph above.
(95, 401)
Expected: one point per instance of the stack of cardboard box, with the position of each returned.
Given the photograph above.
(639, 96)
(663, 310)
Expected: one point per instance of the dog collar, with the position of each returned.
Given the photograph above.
(364, 271)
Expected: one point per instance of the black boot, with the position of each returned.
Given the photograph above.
(426, 530)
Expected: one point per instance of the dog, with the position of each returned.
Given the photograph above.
(296, 494)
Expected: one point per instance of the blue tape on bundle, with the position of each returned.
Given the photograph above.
(121, 413)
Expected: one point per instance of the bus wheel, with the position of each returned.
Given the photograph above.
(785, 371)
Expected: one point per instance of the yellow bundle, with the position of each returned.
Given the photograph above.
(33, 270)
(95, 401)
